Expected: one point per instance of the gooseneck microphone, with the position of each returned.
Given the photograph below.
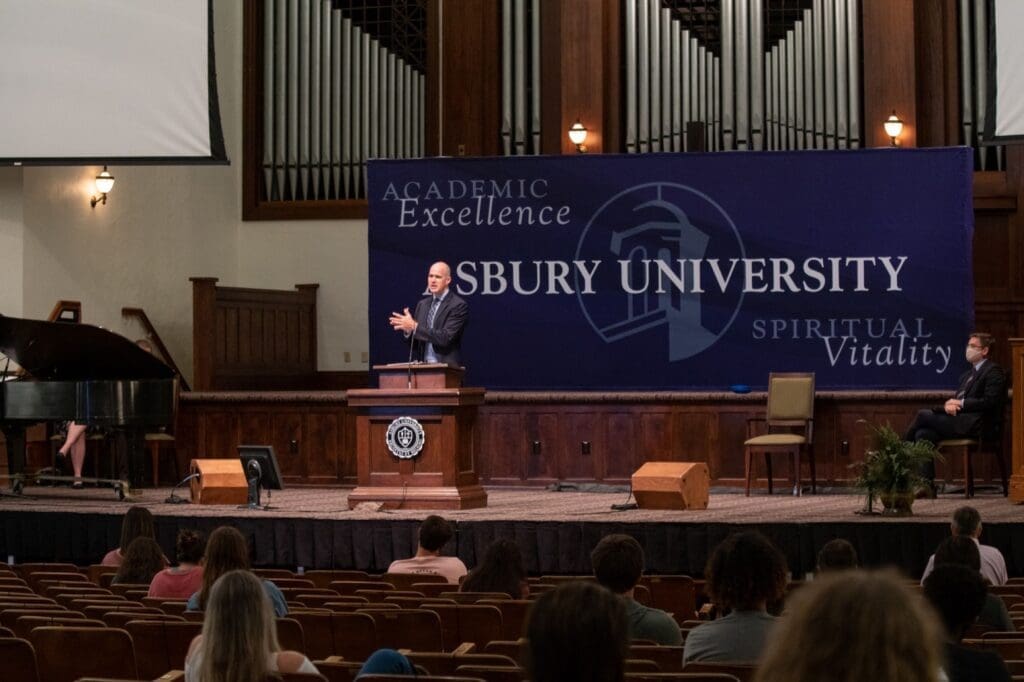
(412, 341)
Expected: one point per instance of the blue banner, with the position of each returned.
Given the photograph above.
(685, 271)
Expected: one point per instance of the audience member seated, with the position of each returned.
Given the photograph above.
(854, 626)
(226, 550)
(143, 560)
(963, 551)
(967, 523)
(239, 638)
(618, 561)
(836, 555)
(387, 662)
(744, 574)
(577, 633)
(958, 594)
(137, 522)
(185, 579)
(501, 570)
(434, 534)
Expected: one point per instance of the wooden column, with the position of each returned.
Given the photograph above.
(580, 53)
(463, 88)
(890, 79)
(204, 297)
(1017, 421)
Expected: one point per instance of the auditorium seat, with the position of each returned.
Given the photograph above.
(352, 607)
(6, 632)
(271, 573)
(641, 665)
(355, 635)
(97, 610)
(416, 629)
(77, 602)
(427, 678)
(35, 578)
(405, 581)
(100, 652)
(446, 663)
(346, 587)
(24, 626)
(417, 602)
(324, 577)
(288, 583)
(668, 658)
(514, 613)
(473, 597)
(492, 673)
(432, 589)
(790, 406)
(295, 677)
(742, 672)
(290, 635)
(96, 571)
(84, 589)
(25, 570)
(118, 619)
(123, 588)
(317, 631)
(319, 601)
(681, 677)
(9, 617)
(161, 646)
(1006, 648)
(511, 648)
(476, 623)
(18, 660)
(379, 595)
(335, 669)
(673, 593)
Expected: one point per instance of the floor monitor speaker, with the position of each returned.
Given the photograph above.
(671, 485)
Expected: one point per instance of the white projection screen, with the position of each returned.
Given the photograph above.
(1005, 115)
(108, 81)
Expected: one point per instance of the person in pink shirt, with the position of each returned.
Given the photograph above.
(434, 534)
(185, 579)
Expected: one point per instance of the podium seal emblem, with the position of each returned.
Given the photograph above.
(405, 438)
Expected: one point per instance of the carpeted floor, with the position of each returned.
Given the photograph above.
(526, 505)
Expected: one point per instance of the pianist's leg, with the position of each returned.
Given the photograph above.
(74, 445)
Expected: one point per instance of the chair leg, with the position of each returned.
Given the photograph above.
(814, 474)
(798, 489)
(968, 474)
(997, 450)
(749, 457)
(768, 468)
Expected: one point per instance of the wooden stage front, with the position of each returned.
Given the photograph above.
(312, 527)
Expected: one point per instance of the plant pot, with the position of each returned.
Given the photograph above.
(897, 503)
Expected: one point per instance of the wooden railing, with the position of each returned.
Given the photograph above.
(154, 337)
(66, 311)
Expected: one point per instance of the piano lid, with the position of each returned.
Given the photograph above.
(64, 351)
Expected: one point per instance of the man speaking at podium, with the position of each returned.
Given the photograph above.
(436, 328)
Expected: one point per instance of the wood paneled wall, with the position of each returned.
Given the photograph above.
(252, 338)
(537, 441)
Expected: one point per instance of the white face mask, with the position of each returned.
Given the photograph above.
(973, 355)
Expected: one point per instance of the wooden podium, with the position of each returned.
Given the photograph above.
(1016, 369)
(442, 474)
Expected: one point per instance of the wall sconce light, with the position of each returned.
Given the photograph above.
(893, 128)
(578, 135)
(104, 183)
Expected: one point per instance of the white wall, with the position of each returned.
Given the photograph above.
(12, 243)
(162, 225)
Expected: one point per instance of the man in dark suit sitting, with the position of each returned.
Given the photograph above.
(977, 408)
(439, 320)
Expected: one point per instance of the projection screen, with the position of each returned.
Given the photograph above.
(108, 81)
(1005, 111)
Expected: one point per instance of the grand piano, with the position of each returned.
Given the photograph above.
(86, 374)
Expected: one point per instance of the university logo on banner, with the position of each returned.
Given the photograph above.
(676, 271)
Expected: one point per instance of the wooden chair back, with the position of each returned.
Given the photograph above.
(161, 645)
(61, 653)
(19, 660)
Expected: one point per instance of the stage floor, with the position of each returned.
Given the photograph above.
(518, 504)
(313, 527)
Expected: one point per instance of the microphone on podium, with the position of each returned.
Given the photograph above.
(412, 341)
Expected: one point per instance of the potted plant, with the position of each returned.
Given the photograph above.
(891, 470)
